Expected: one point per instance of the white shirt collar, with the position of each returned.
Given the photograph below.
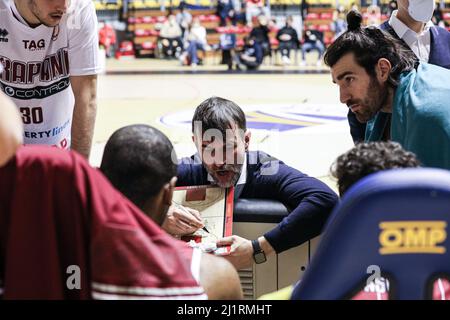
(401, 29)
(419, 43)
(242, 177)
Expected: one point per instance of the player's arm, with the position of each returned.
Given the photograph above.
(11, 132)
(219, 279)
(85, 92)
(84, 65)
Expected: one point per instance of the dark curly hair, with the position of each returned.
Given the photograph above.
(370, 44)
(368, 158)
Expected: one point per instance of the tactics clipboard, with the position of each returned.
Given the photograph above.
(215, 205)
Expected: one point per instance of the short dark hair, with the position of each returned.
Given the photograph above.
(218, 113)
(370, 44)
(138, 162)
(368, 158)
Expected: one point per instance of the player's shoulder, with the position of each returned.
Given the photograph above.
(4, 4)
(47, 158)
(75, 6)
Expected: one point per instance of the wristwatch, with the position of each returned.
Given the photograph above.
(258, 254)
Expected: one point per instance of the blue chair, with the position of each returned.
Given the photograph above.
(397, 220)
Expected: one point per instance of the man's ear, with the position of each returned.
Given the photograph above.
(383, 70)
(168, 191)
(247, 138)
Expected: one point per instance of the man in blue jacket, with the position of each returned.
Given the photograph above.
(375, 72)
(411, 23)
(222, 140)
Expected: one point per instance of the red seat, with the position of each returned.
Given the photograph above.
(326, 16)
(328, 40)
(147, 19)
(222, 30)
(324, 27)
(312, 16)
(140, 33)
(148, 45)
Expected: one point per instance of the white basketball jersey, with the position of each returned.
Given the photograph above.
(37, 63)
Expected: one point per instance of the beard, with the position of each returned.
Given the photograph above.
(373, 102)
(227, 176)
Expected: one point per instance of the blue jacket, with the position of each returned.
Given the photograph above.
(439, 55)
(420, 120)
(311, 200)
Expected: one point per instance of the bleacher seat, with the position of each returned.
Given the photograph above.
(312, 16)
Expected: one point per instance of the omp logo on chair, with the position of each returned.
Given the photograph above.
(407, 237)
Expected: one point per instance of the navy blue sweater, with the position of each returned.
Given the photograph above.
(439, 55)
(311, 200)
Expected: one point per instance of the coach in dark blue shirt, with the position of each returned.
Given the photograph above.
(222, 140)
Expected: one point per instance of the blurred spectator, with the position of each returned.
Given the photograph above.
(107, 38)
(251, 56)
(227, 46)
(170, 40)
(312, 40)
(260, 33)
(373, 15)
(339, 24)
(225, 10)
(438, 18)
(254, 8)
(392, 7)
(184, 18)
(288, 40)
(195, 39)
(304, 8)
(239, 12)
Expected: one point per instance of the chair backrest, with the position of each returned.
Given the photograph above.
(395, 220)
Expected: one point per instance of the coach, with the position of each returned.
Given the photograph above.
(222, 139)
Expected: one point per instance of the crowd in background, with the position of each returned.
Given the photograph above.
(183, 37)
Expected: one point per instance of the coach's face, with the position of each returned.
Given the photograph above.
(223, 157)
(363, 94)
(48, 12)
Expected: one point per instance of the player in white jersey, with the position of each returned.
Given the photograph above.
(49, 52)
(10, 128)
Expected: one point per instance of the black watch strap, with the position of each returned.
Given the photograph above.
(256, 246)
(258, 254)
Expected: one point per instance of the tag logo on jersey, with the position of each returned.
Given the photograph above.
(32, 45)
(406, 237)
(3, 35)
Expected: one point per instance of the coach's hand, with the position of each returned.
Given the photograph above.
(241, 254)
(181, 221)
